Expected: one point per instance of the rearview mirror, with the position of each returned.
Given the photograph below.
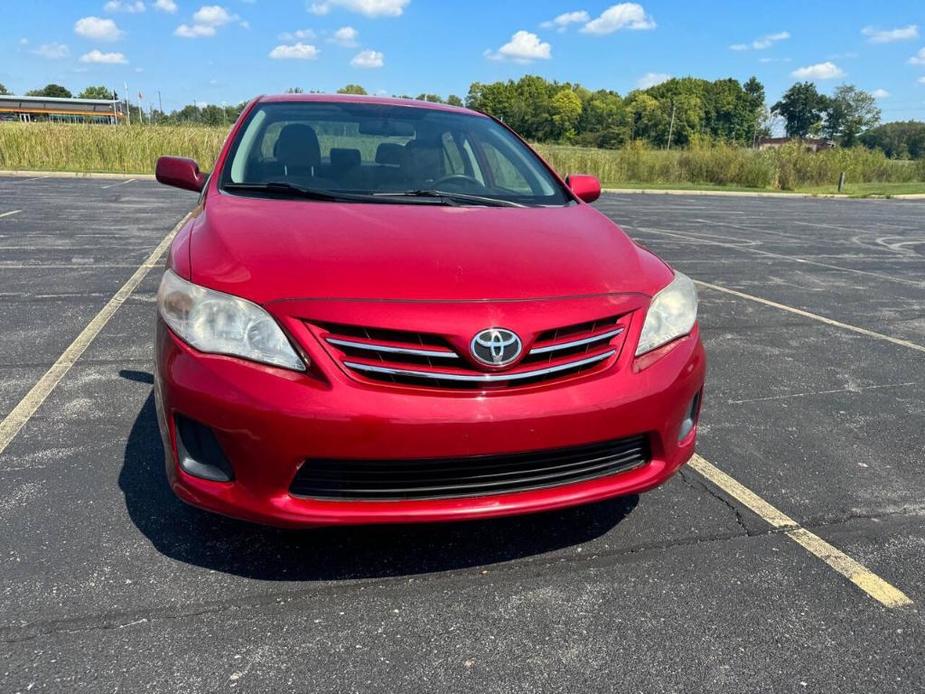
(587, 188)
(180, 172)
(385, 127)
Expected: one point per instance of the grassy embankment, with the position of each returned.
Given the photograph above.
(88, 148)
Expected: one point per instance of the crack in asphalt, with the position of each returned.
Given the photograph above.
(701, 486)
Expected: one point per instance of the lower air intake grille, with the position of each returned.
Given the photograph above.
(443, 478)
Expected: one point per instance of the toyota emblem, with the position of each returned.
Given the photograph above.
(496, 346)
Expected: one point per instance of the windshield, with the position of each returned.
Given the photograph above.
(382, 153)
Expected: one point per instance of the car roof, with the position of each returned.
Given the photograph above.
(362, 99)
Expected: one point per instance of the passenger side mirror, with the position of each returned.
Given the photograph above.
(180, 172)
(587, 188)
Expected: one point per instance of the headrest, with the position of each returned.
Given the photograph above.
(423, 160)
(389, 153)
(345, 158)
(297, 145)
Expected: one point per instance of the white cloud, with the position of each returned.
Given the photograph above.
(773, 60)
(213, 16)
(918, 58)
(819, 71)
(650, 79)
(368, 59)
(626, 15)
(880, 93)
(97, 29)
(760, 44)
(295, 51)
(52, 51)
(921, 80)
(523, 47)
(346, 36)
(298, 35)
(130, 6)
(168, 6)
(206, 21)
(97, 56)
(369, 8)
(875, 35)
(561, 23)
(195, 31)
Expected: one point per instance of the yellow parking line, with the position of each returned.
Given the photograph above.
(22, 413)
(10, 213)
(881, 591)
(815, 316)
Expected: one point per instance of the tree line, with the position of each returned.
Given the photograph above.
(676, 113)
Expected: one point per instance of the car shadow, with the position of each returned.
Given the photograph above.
(221, 544)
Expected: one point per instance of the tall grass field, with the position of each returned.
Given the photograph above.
(135, 149)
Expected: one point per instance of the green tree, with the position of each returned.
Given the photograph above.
(899, 140)
(647, 118)
(850, 111)
(97, 92)
(3, 90)
(803, 107)
(52, 90)
(601, 111)
(565, 108)
(756, 111)
(295, 90)
(352, 89)
(454, 100)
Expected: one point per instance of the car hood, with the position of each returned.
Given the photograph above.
(271, 249)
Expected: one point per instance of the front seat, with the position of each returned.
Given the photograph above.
(297, 150)
(422, 163)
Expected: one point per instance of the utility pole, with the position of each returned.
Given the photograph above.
(128, 106)
(670, 127)
(160, 104)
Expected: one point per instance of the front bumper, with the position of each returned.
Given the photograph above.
(268, 421)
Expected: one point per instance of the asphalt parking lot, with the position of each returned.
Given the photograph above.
(813, 314)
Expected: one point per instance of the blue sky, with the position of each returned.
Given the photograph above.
(233, 50)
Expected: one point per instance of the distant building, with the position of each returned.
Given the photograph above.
(810, 143)
(46, 108)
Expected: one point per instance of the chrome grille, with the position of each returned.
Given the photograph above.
(428, 360)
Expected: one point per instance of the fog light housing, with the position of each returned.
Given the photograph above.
(690, 418)
(199, 452)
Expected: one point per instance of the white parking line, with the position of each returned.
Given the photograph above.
(816, 317)
(22, 413)
(877, 588)
(10, 213)
(121, 183)
(792, 258)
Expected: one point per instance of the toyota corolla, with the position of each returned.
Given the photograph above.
(385, 311)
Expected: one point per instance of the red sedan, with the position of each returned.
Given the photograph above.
(386, 311)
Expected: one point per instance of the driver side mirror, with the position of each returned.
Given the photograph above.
(587, 188)
(180, 172)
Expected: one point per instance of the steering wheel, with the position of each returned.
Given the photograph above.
(457, 181)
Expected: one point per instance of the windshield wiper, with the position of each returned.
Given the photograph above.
(291, 190)
(283, 188)
(453, 197)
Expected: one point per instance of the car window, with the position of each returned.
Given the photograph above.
(454, 163)
(505, 173)
(369, 149)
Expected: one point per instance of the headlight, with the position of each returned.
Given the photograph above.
(223, 324)
(672, 313)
